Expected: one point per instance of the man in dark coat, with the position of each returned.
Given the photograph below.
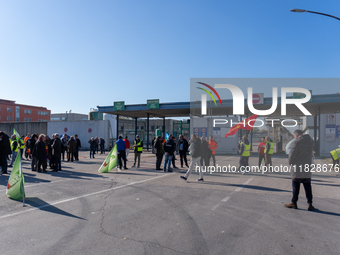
(300, 158)
(159, 152)
(182, 148)
(92, 143)
(56, 146)
(5, 150)
(196, 153)
(169, 149)
(78, 147)
(39, 152)
(31, 143)
(71, 144)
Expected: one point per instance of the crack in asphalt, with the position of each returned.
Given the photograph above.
(102, 229)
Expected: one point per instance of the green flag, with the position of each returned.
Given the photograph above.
(16, 133)
(15, 185)
(110, 162)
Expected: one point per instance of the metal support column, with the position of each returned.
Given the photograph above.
(163, 128)
(135, 127)
(117, 127)
(147, 131)
(319, 134)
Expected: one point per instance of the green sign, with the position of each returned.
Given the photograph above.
(297, 95)
(153, 104)
(119, 106)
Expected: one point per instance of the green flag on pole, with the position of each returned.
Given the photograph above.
(16, 133)
(110, 162)
(15, 185)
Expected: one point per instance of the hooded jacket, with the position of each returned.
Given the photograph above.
(301, 153)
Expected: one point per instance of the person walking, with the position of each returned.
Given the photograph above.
(64, 141)
(260, 150)
(39, 152)
(71, 146)
(159, 152)
(14, 148)
(92, 143)
(268, 152)
(182, 148)
(5, 150)
(127, 143)
(245, 153)
(78, 147)
(121, 148)
(213, 146)
(196, 153)
(169, 149)
(56, 147)
(138, 149)
(300, 159)
(21, 145)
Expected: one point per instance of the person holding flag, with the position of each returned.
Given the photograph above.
(14, 148)
(121, 148)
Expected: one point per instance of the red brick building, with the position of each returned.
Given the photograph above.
(12, 112)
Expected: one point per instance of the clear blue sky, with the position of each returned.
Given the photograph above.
(79, 54)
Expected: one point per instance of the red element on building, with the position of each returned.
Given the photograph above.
(12, 112)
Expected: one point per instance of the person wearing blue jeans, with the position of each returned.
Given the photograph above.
(169, 149)
(92, 143)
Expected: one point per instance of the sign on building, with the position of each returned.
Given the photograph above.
(119, 106)
(152, 104)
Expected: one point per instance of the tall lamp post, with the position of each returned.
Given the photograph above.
(302, 10)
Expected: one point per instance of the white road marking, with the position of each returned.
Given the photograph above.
(86, 195)
(229, 196)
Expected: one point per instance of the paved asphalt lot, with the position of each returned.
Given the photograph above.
(142, 211)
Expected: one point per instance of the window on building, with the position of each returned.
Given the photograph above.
(9, 118)
(28, 119)
(141, 127)
(28, 111)
(9, 109)
(55, 118)
(42, 120)
(122, 128)
(43, 113)
(152, 128)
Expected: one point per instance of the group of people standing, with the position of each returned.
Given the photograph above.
(95, 144)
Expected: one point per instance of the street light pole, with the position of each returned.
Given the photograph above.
(302, 10)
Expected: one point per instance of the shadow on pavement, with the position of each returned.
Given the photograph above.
(43, 206)
(246, 186)
(326, 213)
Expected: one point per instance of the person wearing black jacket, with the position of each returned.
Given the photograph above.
(196, 153)
(169, 149)
(31, 143)
(300, 159)
(5, 150)
(39, 152)
(182, 148)
(71, 144)
(56, 146)
(159, 152)
(78, 147)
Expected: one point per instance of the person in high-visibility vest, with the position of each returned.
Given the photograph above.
(22, 144)
(268, 152)
(245, 146)
(14, 148)
(138, 149)
(335, 154)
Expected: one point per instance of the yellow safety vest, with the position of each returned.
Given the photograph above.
(271, 150)
(335, 154)
(13, 145)
(246, 149)
(139, 148)
(22, 144)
